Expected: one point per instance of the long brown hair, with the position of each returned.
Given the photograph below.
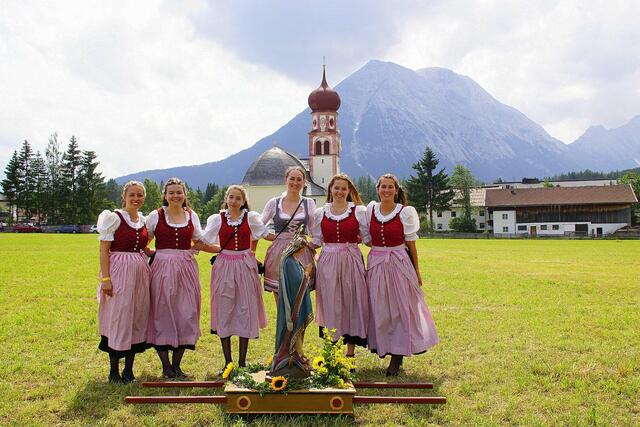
(130, 184)
(174, 181)
(401, 196)
(353, 195)
(242, 190)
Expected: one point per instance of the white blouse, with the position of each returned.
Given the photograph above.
(108, 223)
(270, 211)
(152, 222)
(361, 216)
(408, 217)
(214, 222)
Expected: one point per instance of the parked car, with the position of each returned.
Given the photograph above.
(94, 229)
(69, 228)
(26, 228)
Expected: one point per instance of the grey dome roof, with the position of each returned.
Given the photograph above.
(269, 169)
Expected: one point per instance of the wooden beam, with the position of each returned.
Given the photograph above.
(380, 384)
(436, 400)
(180, 384)
(221, 400)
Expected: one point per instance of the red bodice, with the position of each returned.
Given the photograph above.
(127, 238)
(390, 233)
(242, 239)
(343, 231)
(168, 237)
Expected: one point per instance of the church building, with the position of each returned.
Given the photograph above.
(265, 177)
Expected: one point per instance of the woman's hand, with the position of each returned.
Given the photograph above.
(149, 251)
(107, 287)
(270, 237)
(419, 277)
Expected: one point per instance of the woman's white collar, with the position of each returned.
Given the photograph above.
(237, 221)
(389, 216)
(343, 215)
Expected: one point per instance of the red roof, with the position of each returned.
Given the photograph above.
(324, 98)
(605, 194)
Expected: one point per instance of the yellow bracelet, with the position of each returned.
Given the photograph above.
(106, 279)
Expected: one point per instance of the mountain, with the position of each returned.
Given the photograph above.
(389, 115)
(604, 149)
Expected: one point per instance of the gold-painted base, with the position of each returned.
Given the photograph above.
(312, 401)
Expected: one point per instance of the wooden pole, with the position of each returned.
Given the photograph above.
(221, 400)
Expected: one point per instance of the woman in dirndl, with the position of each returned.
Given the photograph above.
(342, 300)
(123, 294)
(289, 213)
(174, 316)
(400, 322)
(237, 308)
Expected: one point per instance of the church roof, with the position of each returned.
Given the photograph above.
(324, 98)
(269, 169)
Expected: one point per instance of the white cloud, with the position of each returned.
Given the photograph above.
(133, 82)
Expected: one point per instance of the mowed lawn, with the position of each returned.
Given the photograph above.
(533, 332)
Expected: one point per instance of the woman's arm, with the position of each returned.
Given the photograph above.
(414, 258)
(107, 287)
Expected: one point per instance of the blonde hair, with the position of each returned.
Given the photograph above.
(401, 195)
(353, 195)
(242, 190)
(174, 181)
(130, 184)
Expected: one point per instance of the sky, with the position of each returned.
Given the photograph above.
(151, 84)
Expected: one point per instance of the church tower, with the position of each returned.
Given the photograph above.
(324, 137)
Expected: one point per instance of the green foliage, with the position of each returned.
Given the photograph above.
(589, 174)
(11, 184)
(462, 180)
(633, 178)
(153, 200)
(366, 186)
(214, 205)
(546, 183)
(429, 191)
(331, 368)
(462, 224)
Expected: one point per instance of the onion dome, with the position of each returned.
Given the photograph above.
(324, 98)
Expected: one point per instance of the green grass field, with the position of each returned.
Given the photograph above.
(533, 332)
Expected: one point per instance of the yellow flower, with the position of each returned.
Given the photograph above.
(270, 360)
(278, 383)
(340, 383)
(322, 371)
(318, 362)
(227, 371)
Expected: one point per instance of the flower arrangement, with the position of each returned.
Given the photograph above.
(331, 368)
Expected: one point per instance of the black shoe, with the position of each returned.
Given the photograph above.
(179, 373)
(115, 379)
(127, 378)
(170, 374)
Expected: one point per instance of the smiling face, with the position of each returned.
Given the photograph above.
(174, 195)
(134, 198)
(294, 181)
(387, 190)
(235, 199)
(339, 190)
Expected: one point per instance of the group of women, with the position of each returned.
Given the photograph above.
(144, 305)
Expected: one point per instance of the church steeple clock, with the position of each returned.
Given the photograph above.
(324, 137)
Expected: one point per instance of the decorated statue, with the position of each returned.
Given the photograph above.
(294, 313)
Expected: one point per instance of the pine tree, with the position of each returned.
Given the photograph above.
(154, 196)
(209, 192)
(367, 188)
(41, 187)
(462, 180)
(69, 182)
(53, 159)
(113, 192)
(26, 180)
(91, 188)
(10, 184)
(429, 191)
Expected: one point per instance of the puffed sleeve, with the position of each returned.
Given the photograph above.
(108, 223)
(210, 235)
(269, 211)
(197, 228)
(410, 222)
(363, 224)
(152, 222)
(316, 230)
(258, 229)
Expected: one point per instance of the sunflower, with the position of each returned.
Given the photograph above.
(278, 383)
(318, 362)
(227, 371)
